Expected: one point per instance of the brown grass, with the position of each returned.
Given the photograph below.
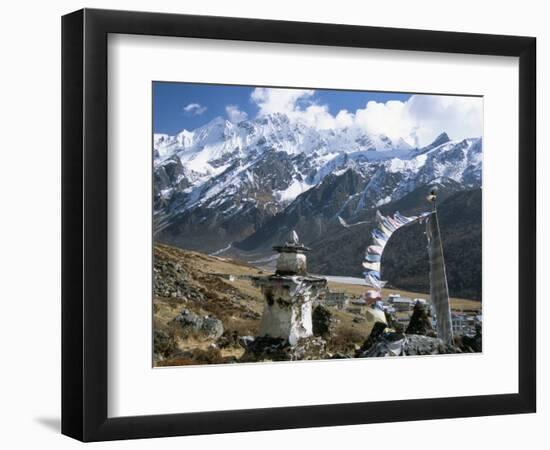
(232, 301)
(197, 356)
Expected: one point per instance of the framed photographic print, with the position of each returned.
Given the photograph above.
(274, 225)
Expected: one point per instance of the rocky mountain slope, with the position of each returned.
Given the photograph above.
(405, 262)
(221, 183)
(193, 306)
(236, 189)
(201, 316)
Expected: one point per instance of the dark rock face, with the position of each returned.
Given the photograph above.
(310, 213)
(323, 322)
(340, 251)
(405, 261)
(420, 322)
(375, 335)
(277, 349)
(168, 179)
(274, 172)
(170, 174)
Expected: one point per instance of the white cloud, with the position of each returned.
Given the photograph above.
(460, 117)
(390, 118)
(422, 118)
(297, 105)
(419, 120)
(194, 109)
(234, 114)
(279, 100)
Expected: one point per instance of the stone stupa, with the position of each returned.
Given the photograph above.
(289, 294)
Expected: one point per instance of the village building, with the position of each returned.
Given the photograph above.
(337, 300)
(464, 324)
(401, 304)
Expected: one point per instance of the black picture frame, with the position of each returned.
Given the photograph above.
(84, 224)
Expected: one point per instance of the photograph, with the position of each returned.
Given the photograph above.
(295, 224)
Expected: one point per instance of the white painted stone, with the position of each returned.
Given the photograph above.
(288, 308)
(291, 263)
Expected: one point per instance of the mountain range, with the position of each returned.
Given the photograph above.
(237, 189)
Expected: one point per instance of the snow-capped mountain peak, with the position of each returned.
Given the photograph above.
(251, 170)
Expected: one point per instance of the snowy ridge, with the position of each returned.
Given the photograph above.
(260, 167)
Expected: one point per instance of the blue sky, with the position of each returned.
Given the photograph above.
(416, 118)
(178, 106)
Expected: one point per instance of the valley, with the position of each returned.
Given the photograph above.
(236, 189)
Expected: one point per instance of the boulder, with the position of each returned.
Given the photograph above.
(322, 321)
(426, 345)
(189, 320)
(266, 348)
(420, 322)
(208, 326)
(473, 343)
(382, 343)
(212, 327)
(375, 334)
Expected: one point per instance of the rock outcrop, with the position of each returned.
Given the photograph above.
(396, 343)
(421, 322)
(277, 349)
(473, 343)
(323, 323)
(192, 323)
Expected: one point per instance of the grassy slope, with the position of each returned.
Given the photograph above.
(238, 304)
(232, 302)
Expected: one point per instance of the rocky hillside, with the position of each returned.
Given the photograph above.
(206, 310)
(193, 306)
(201, 316)
(406, 262)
